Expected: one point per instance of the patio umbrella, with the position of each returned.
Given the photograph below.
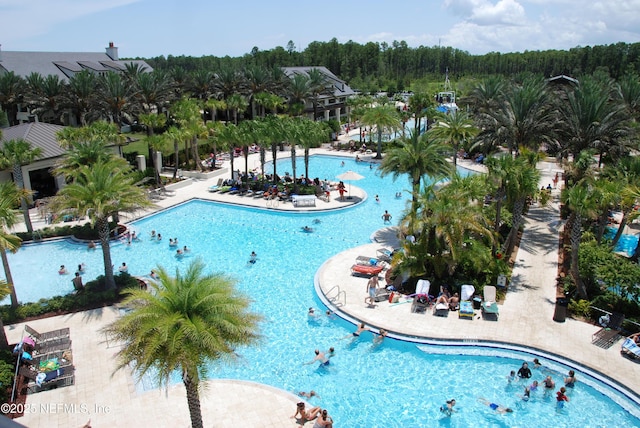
(349, 176)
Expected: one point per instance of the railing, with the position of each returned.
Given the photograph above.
(336, 299)
(610, 313)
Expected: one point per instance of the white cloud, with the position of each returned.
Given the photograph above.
(484, 12)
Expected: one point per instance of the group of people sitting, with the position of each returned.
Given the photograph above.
(445, 297)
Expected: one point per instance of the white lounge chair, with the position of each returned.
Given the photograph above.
(489, 305)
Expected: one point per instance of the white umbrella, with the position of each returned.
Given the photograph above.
(349, 176)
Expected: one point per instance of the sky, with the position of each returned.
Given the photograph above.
(150, 28)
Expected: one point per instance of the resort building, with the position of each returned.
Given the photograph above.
(37, 175)
(64, 65)
(330, 106)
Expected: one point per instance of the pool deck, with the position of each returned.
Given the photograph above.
(525, 318)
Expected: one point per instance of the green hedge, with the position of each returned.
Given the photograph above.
(93, 296)
(85, 231)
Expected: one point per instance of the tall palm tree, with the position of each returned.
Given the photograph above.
(175, 135)
(9, 196)
(236, 103)
(589, 119)
(16, 153)
(521, 185)
(229, 137)
(579, 200)
(115, 96)
(101, 191)
(189, 320)
(187, 113)
(417, 156)
(154, 92)
(383, 117)
(80, 96)
(151, 122)
(4, 292)
(298, 93)
(522, 118)
(319, 86)
(418, 104)
(11, 92)
(454, 128)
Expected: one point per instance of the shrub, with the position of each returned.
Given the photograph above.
(581, 308)
(94, 295)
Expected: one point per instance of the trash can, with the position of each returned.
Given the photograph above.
(477, 303)
(560, 314)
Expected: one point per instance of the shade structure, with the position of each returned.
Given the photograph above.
(349, 176)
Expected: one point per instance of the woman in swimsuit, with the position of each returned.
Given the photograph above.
(305, 415)
(356, 333)
(570, 381)
(323, 421)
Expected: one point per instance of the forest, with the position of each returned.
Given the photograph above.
(395, 67)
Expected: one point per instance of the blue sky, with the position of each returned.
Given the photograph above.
(148, 28)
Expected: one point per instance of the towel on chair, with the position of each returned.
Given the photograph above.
(630, 346)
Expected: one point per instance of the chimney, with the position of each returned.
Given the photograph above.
(112, 52)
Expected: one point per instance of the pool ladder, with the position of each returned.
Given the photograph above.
(336, 299)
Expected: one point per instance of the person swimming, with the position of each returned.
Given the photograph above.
(253, 257)
(307, 229)
(447, 408)
(316, 221)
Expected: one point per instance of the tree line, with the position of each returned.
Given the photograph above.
(373, 66)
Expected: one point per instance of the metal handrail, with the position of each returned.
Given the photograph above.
(337, 297)
(611, 313)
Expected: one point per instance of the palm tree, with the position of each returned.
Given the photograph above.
(521, 185)
(579, 200)
(175, 135)
(156, 143)
(590, 120)
(319, 86)
(153, 92)
(115, 96)
(11, 91)
(9, 196)
(298, 93)
(17, 153)
(418, 104)
(455, 128)
(627, 171)
(80, 96)
(187, 321)
(101, 191)
(383, 117)
(4, 292)
(417, 156)
(229, 137)
(236, 103)
(523, 118)
(187, 114)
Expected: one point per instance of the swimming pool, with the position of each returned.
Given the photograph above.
(393, 384)
(626, 244)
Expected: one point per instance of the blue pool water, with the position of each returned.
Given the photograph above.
(394, 384)
(626, 244)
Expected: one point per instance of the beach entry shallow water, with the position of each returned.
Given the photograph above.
(393, 384)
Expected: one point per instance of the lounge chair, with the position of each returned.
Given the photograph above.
(366, 260)
(41, 381)
(224, 189)
(384, 254)
(610, 334)
(217, 186)
(61, 344)
(489, 305)
(465, 309)
(46, 336)
(365, 270)
(630, 348)
(421, 298)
